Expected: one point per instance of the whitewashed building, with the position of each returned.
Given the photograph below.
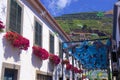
(116, 43)
(30, 19)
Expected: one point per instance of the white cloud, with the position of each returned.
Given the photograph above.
(63, 3)
(56, 6)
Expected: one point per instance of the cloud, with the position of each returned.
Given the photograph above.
(63, 3)
(57, 6)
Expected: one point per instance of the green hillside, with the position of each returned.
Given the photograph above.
(93, 22)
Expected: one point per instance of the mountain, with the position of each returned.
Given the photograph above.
(99, 23)
(109, 12)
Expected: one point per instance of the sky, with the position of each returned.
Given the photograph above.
(59, 7)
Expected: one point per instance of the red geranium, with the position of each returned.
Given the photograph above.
(17, 40)
(40, 52)
(66, 61)
(1, 25)
(80, 71)
(75, 69)
(69, 67)
(83, 77)
(54, 58)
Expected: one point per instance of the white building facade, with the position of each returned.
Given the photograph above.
(31, 20)
(116, 42)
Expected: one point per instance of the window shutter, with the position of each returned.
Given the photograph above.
(38, 34)
(15, 17)
(51, 43)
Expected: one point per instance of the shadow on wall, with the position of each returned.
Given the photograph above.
(36, 62)
(56, 73)
(10, 51)
(59, 69)
(55, 69)
(51, 66)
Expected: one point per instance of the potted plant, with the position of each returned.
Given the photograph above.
(80, 71)
(1, 26)
(40, 52)
(17, 40)
(66, 61)
(54, 59)
(69, 67)
(75, 69)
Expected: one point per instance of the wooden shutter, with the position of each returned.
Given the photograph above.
(51, 43)
(15, 17)
(38, 34)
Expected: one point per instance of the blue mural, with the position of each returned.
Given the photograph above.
(91, 54)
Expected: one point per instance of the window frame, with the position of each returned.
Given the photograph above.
(10, 66)
(53, 45)
(60, 49)
(40, 23)
(38, 72)
(8, 16)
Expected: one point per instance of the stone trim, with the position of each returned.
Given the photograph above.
(11, 66)
(44, 73)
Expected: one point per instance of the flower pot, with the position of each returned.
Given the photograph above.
(40, 52)
(17, 40)
(54, 59)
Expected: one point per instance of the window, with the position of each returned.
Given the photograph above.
(60, 49)
(67, 79)
(119, 23)
(43, 77)
(38, 34)
(15, 16)
(79, 64)
(67, 56)
(10, 74)
(60, 78)
(51, 43)
(114, 56)
(10, 71)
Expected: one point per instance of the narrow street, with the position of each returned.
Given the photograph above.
(59, 40)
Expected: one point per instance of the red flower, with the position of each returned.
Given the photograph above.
(65, 61)
(75, 69)
(54, 58)
(1, 25)
(69, 67)
(42, 53)
(80, 71)
(83, 77)
(17, 40)
(11, 36)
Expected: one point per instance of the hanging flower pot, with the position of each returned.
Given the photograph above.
(80, 71)
(1, 26)
(69, 67)
(66, 61)
(54, 59)
(75, 69)
(17, 40)
(40, 52)
(83, 77)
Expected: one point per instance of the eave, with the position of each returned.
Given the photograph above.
(40, 9)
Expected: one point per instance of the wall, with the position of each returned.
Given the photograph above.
(3, 14)
(117, 24)
(28, 62)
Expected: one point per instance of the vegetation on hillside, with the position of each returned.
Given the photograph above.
(72, 22)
